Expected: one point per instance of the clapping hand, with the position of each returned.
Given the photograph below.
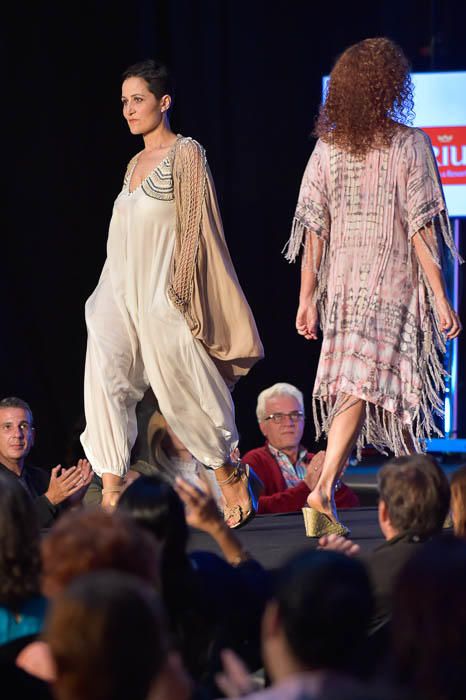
(336, 543)
(314, 470)
(235, 679)
(66, 483)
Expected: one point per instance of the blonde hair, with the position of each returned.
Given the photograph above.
(279, 389)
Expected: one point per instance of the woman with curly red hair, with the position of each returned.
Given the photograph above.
(372, 220)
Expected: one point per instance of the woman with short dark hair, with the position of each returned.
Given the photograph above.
(168, 310)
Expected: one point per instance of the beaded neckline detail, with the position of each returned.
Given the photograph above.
(158, 184)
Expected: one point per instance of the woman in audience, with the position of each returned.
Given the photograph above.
(168, 458)
(211, 603)
(22, 607)
(458, 501)
(108, 641)
(429, 621)
(82, 541)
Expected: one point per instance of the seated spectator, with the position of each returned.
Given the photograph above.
(314, 632)
(429, 621)
(167, 457)
(414, 499)
(458, 501)
(108, 640)
(49, 491)
(288, 471)
(86, 540)
(79, 542)
(22, 607)
(210, 602)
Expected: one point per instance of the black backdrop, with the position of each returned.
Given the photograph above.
(248, 78)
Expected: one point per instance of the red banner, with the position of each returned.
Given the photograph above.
(449, 144)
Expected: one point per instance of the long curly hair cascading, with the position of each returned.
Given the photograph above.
(19, 544)
(369, 94)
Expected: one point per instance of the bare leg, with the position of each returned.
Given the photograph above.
(409, 442)
(342, 436)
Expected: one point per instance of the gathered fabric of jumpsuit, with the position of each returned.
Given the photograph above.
(137, 337)
(381, 339)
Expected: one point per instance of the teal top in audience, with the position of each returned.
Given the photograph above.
(25, 621)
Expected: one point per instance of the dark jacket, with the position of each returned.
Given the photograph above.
(384, 564)
(36, 482)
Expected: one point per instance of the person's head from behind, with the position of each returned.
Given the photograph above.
(369, 92)
(19, 544)
(146, 96)
(414, 496)
(16, 431)
(280, 414)
(108, 639)
(458, 501)
(318, 615)
(86, 540)
(155, 506)
(429, 620)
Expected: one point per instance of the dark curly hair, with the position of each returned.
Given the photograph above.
(19, 544)
(369, 94)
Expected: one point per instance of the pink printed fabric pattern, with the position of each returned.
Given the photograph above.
(381, 341)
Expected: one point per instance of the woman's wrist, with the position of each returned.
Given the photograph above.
(232, 549)
(306, 299)
(111, 483)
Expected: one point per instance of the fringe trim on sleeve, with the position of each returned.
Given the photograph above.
(293, 246)
(440, 223)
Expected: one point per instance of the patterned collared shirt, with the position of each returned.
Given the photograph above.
(292, 473)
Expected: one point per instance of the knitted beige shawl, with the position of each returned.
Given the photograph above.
(204, 285)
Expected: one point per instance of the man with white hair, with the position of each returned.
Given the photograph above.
(289, 472)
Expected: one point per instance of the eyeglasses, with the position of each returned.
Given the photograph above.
(280, 417)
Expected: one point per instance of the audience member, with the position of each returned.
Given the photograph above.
(314, 631)
(414, 499)
(167, 457)
(288, 471)
(429, 621)
(210, 602)
(22, 607)
(89, 539)
(458, 501)
(109, 641)
(48, 490)
(86, 540)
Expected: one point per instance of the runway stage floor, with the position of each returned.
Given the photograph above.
(271, 539)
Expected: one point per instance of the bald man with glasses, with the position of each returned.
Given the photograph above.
(289, 472)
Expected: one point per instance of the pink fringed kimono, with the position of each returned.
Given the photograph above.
(381, 341)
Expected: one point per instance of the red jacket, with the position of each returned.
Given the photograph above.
(276, 497)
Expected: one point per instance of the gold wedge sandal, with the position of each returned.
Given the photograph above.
(318, 524)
